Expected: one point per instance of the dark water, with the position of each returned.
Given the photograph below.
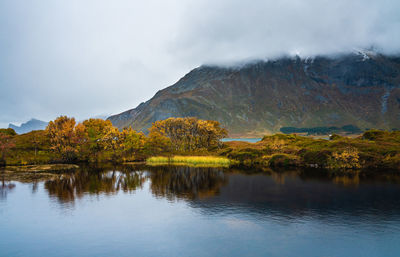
(180, 211)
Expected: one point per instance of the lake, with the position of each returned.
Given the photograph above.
(183, 211)
(250, 140)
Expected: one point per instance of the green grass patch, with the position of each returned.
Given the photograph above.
(204, 161)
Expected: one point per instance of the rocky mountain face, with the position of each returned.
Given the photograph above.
(360, 89)
(28, 126)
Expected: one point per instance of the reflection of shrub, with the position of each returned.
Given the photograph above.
(347, 159)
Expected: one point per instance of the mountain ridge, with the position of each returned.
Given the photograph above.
(32, 124)
(260, 97)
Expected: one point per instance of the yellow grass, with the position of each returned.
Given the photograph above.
(190, 160)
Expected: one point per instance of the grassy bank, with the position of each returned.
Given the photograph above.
(372, 150)
(190, 160)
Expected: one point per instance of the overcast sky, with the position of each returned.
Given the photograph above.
(85, 58)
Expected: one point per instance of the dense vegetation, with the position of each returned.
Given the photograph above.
(174, 139)
(374, 149)
(97, 140)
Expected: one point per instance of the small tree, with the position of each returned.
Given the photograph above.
(62, 136)
(112, 142)
(98, 135)
(157, 143)
(8, 131)
(189, 134)
(132, 142)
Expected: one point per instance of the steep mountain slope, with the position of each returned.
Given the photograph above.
(362, 89)
(28, 126)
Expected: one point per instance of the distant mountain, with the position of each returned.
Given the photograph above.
(30, 125)
(100, 116)
(360, 89)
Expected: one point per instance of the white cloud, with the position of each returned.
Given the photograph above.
(232, 30)
(83, 58)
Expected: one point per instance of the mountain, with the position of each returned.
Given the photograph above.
(360, 89)
(99, 116)
(28, 126)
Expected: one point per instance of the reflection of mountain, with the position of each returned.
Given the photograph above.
(293, 196)
(186, 182)
(75, 185)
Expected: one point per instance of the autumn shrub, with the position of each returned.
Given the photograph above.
(346, 159)
(7, 143)
(156, 143)
(8, 131)
(61, 133)
(189, 134)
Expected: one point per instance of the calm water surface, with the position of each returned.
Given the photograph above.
(180, 211)
(250, 140)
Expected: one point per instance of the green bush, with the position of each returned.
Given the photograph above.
(283, 160)
(8, 131)
(373, 134)
(244, 154)
(317, 158)
(335, 137)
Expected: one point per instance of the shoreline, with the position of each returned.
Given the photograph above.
(248, 164)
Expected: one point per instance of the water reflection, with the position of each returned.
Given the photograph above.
(220, 212)
(169, 182)
(186, 182)
(217, 190)
(5, 188)
(290, 195)
(69, 186)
